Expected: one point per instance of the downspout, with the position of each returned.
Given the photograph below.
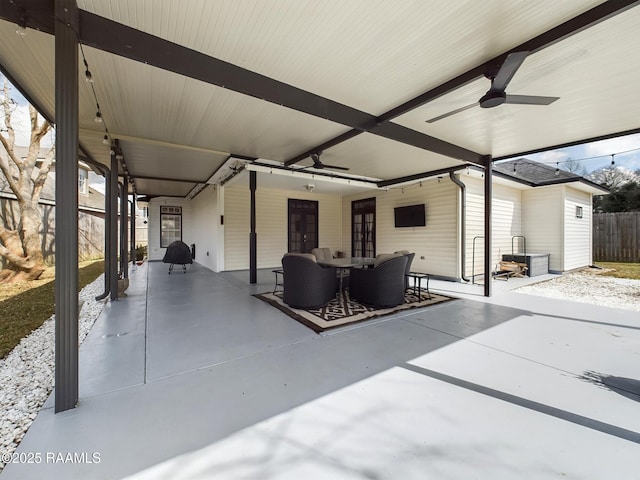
(107, 226)
(463, 222)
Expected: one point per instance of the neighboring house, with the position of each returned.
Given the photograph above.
(90, 217)
(551, 210)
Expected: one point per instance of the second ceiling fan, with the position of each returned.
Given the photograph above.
(319, 165)
(496, 95)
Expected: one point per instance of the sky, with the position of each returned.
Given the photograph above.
(595, 155)
(591, 156)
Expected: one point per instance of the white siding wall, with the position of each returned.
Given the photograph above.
(271, 224)
(206, 225)
(437, 242)
(155, 251)
(506, 220)
(578, 231)
(543, 215)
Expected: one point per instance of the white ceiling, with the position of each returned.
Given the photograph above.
(176, 131)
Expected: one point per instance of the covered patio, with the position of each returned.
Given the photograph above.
(167, 98)
(192, 377)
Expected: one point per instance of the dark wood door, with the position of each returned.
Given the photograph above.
(363, 228)
(303, 225)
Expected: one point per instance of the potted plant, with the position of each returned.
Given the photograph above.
(123, 284)
(141, 253)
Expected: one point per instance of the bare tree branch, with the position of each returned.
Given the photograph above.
(45, 167)
(38, 131)
(8, 142)
(7, 104)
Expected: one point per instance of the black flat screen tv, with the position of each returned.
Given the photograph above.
(410, 216)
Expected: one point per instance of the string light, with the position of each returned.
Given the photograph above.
(22, 24)
(575, 160)
(87, 74)
(99, 118)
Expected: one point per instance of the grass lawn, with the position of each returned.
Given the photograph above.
(621, 270)
(24, 306)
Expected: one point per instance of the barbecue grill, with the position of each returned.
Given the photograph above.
(178, 253)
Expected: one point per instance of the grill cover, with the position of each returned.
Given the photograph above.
(178, 253)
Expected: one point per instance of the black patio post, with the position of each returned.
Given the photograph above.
(488, 202)
(124, 238)
(132, 233)
(113, 222)
(253, 236)
(66, 256)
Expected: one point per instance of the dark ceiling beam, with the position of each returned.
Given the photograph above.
(167, 179)
(133, 44)
(127, 42)
(421, 176)
(608, 136)
(577, 24)
(121, 40)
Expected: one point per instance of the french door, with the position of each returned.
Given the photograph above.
(363, 228)
(303, 225)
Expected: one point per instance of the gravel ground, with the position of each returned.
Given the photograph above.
(590, 286)
(27, 373)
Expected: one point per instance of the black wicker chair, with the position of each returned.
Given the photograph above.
(410, 257)
(383, 285)
(307, 284)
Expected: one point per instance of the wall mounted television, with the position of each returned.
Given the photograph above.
(410, 216)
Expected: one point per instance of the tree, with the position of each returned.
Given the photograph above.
(20, 242)
(573, 166)
(624, 186)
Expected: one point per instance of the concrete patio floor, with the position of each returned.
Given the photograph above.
(191, 377)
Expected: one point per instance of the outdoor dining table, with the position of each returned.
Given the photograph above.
(343, 264)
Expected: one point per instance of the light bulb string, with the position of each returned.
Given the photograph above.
(99, 115)
(572, 160)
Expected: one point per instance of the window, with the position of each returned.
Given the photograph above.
(83, 181)
(170, 225)
(578, 212)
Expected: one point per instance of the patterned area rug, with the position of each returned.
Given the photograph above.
(344, 310)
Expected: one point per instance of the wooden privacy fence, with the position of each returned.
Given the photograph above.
(616, 237)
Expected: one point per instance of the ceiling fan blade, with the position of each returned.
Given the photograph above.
(530, 100)
(453, 112)
(508, 70)
(335, 167)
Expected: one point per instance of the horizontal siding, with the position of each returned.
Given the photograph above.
(271, 224)
(435, 244)
(236, 227)
(206, 225)
(506, 223)
(578, 231)
(543, 215)
(155, 252)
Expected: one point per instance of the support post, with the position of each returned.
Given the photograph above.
(66, 256)
(107, 235)
(132, 233)
(124, 247)
(488, 202)
(113, 229)
(253, 236)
